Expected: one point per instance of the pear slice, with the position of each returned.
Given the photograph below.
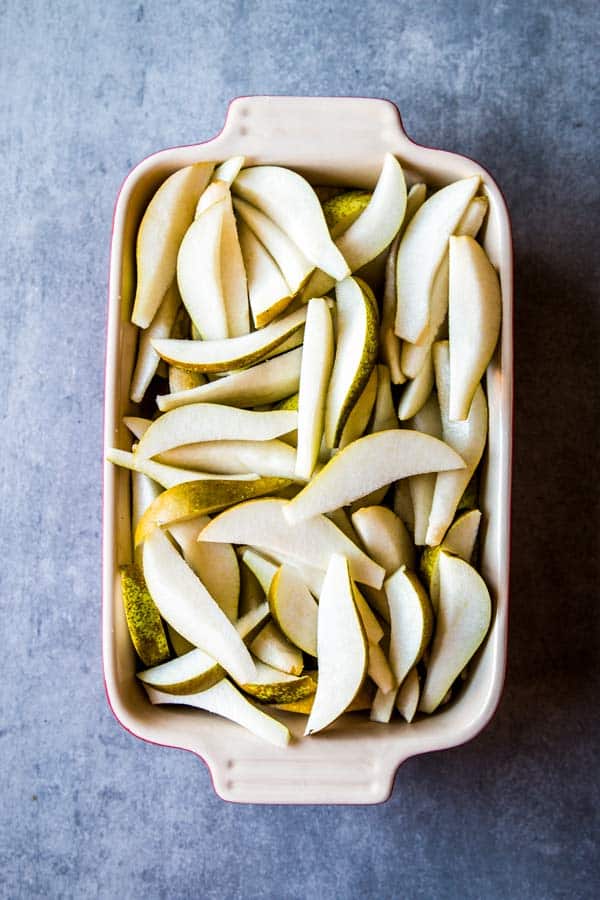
(183, 380)
(342, 646)
(166, 220)
(273, 648)
(379, 669)
(216, 566)
(144, 491)
(317, 360)
(372, 628)
(463, 619)
(343, 209)
(179, 645)
(225, 700)
(361, 702)
(268, 290)
(165, 475)
(357, 421)
(384, 537)
(368, 464)
(355, 355)
(402, 504)
(234, 353)
(197, 498)
(384, 412)
(272, 686)
(147, 358)
(229, 170)
(143, 618)
(251, 593)
(467, 438)
(216, 191)
(411, 618)
(290, 201)
(263, 568)
(312, 577)
(460, 540)
(274, 458)
(199, 275)
(266, 382)
(407, 699)
(422, 487)
(212, 422)
(234, 282)
(421, 251)
(474, 321)
(262, 523)
(294, 609)
(417, 391)
(185, 603)
(137, 425)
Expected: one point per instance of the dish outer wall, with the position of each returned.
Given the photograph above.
(331, 141)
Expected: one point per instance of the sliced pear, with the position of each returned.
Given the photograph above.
(290, 201)
(197, 498)
(216, 191)
(312, 577)
(268, 458)
(179, 644)
(357, 421)
(268, 291)
(229, 170)
(182, 380)
(474, 321)
(411, 618)
(416, 393)
(312, 542)
(263, 568)
(407, 699)
(402, 504)
(379, 669)
(273, 648)
(421, 251)
(166, 220)
(143, 617)
(460, 540)
(144, 491)
(216, 566)
(343, 209)
(165, 475)
(356, 352)
(384, 413)
(225, 700)
(422, 487)
(384, 537)
(463, 620)
(234, 282)
(361, 702)
(342, 647)
(317, 360)
(467, 438)
(368, 464)
(199, 274)
(294, 609)
(372, 628)
(147, 358)
(251, 593)
(273, 686)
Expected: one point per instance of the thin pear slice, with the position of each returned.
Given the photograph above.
(342, 647)
(411, 618)
(147, 358)
(463, 619)
(357, 421)
(294, 609)
(179, 644)
(474, 321)
(137, 425)
(143, 617)
(184, 602)
(422, 487)
(274, 459)
(144, 491)
(267, 382)
(368, 464)
(421, 251)
(263, 568)
(290, 201)
(460, 540)
(212, 422)
(343, 209)
(234, 282)
(216, 191)
(311, 576)
(251, 593)
(402, 504)
(263, 524)
(183, 380)
(273, 648)
(416, 393)
(384, 537)
(273, 686)
(379, 669)
(268, 291)
(166, 220)
(234, 353)
(355, 355)
(199, 274)
(372, 628)
(384, 412)
(407, 699)
(229, 170)
(317, 360)
(198, 498)
(225, 700)
(361, 702)
(165, 475)
(216, 566)
(467, 438)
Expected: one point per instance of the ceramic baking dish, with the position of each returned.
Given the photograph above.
(330, 141)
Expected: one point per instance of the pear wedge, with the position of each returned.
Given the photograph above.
(234, 353)
(384, 537)
(166, 220)
(274, 459)
(229, 170)
(460, 540)
(368, 464)
(384, 412)
(342, 646)
(403, 505)
(273, 648)
(361, 702)
(216, 566)
(317, 360)
(372, 628)
(165, 475)
(216, 191)
(357, 421)
(251, 593)
(290, 201)
(463, 620)
(422, 487)
(474, 321)
(179, 645)
(137, 425)
(343, 209)
(147, 358)
(294, 609)
(225, 700)
(144, 491)
(416, 393)
(379, 669)
(467, 438)
(234, 283)
(411, 618)
(263, 524)
(199, 275)
(407, 699)
(268, 291)
(311, 576)
(263, 568)
(421, 251)
(182, 380)
(143, 618)
(272, 686)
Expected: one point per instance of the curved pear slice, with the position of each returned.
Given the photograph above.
(197, 498)
(147, 358)
(272, 686)
(417, 391)
(185, 603)
(290, 201)
(143, 618)
(474, 321)
(361, 702)
(225, 700)
(229, 170)
(234, 353)
(343, 209)
(379, 669)
(355, 355)
(216, 566)
(384, 413)
(216, 191)
(212, 422)
(422, 487)
(199, 274)
(263, 569)
(411, 618)
(137, 425)
(402, 504)
(421, 251)
(460, 540)
(267, 382)
(166, 220)
(183, 380)
(273, 648)
(251, 593)
(407, 699)
(274, 459)
(312, 577)
(165, 475)
(384, 537)
(233, 275)
(342, 647)
(268, 291)
(467, 438)
(263, 523)
(294, 609)
(357, 421)
(317, 360)
(367, 464)
(463, 619)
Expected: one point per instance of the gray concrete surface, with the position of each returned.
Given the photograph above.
(88, 89)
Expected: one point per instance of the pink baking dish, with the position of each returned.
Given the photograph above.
(330, 141)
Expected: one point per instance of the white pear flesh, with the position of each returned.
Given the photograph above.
(167, 218)
(165, 475)
(379, 670)
(411, 619)
(368, 464)
(184, 603)
(274, 686)
(416, 393)
(273, 648)
(294, 609)
(234, 283)
(342, 647)
(421, 251)
(475, 308)
(147, 358)
(372, 628)
(312, 542)
(384, 412)
(272, 458)
(463, 619)
(460, 541)
(225, 700)
(229, 170)
(382, 706)
(422, 487)
(268, 291)
(384, 537)
(407, 698)
(317, 360)
(263, 569)
(403, 505)
(199, 276)
(360, 415)
(216, 566)
(216, 191)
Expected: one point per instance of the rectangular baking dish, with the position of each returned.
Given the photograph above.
(330, 141)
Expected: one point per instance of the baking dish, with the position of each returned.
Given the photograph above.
(330, 141)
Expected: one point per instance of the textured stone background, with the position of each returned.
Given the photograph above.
(88, 89)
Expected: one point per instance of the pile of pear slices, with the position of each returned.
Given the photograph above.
(315, 449)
